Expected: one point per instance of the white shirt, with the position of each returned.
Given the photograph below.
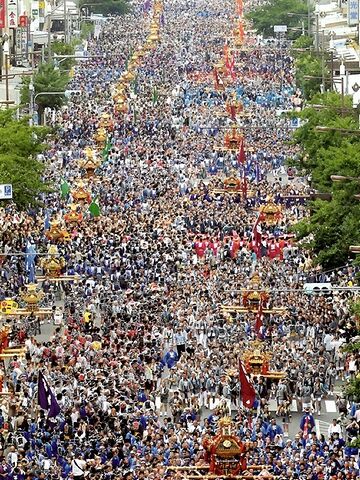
(78, 467)
(12, 458)
(335, 429)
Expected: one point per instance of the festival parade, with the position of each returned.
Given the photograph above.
(156, 317)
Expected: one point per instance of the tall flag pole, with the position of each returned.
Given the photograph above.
(106, 150)
(146, 6)
(231, 67)
(216, 79)
(259, 320)
(257, 172)
(226, 55)
(244, 185)
(155, 96)
(46, 397)
(30, 261)
(64, 188)
(94, 207)
(241, 157)
(257, 235)
(247, 390)
(241, 31)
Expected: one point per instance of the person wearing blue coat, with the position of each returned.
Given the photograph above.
(170, 358)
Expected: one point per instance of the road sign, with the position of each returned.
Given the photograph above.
(6, 192)
(23, 21)
(318, 288)
(280, 28)
(8, 306)
(2, 13)
(353, 12)
(12, 13)
(21, 43)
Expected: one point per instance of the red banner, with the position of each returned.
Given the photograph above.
(2, 13)
(247, 390)
(23, 20)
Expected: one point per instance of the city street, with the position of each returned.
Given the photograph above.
(207, 302)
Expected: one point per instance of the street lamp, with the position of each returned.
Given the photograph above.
(4, 38)
(342, 178)
(303, 15)
(31, 104)
(34, 97)
(344, 131)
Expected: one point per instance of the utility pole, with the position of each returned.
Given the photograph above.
(7, 81)
(31, 104)
(65, 23)
(323, 59)
(1, 55)
(3, 39)
(49, 36)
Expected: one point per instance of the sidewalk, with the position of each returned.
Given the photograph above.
(14, 85)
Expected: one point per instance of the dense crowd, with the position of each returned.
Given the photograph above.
(144, 363)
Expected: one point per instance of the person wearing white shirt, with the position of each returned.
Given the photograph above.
(12, 457)
(335, 428)
(78, 466)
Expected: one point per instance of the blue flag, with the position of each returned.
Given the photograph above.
(257, 172)
(147, 6)
(47, 220)
(30, 261)
(46, 397)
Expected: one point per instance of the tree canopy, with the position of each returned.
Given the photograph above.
(62, 48)
(48, 78)
(107, 7)
(19, 146)
(276, 12)
(332, 225)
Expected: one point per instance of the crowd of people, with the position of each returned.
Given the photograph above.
(145, 363)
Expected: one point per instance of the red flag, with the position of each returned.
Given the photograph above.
(231, 67)
(244, 186)
(2, 13)
(241, 155)
(257, 236)
(226, 55)
(247, 391)
(216, 78)
(241, 31)
(258, 321)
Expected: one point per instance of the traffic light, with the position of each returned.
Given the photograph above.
(318, 289)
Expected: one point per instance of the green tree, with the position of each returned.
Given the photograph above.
(48, 78)
(328, 113)
(19, 146)
(276, 12)
(87, 29)
(107, 7)
(61, 48)
(302, 42)
(308, 65)
(352, 391)
(332, 226)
